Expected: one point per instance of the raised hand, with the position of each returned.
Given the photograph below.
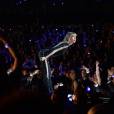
(97, 63)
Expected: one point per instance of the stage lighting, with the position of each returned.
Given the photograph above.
(88, 89)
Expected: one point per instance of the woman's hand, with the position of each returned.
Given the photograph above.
(97, 63)
(74, 99)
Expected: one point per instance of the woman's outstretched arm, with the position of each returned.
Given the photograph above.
(12, 53)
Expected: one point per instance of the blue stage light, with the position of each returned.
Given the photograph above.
(88, 89)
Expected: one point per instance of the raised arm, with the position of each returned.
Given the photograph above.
(98, 73)
(14, 65)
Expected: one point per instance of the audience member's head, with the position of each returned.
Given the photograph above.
(26, 102)
(72, 74)
(99, 109)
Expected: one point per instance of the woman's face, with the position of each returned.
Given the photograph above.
(72, 75)
(83, 73)
(24, 72)
(72, 39)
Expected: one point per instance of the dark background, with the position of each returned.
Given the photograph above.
(59, 11)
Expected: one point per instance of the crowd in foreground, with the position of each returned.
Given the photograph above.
(82, 76)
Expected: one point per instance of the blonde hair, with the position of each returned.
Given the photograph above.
(68, 35)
